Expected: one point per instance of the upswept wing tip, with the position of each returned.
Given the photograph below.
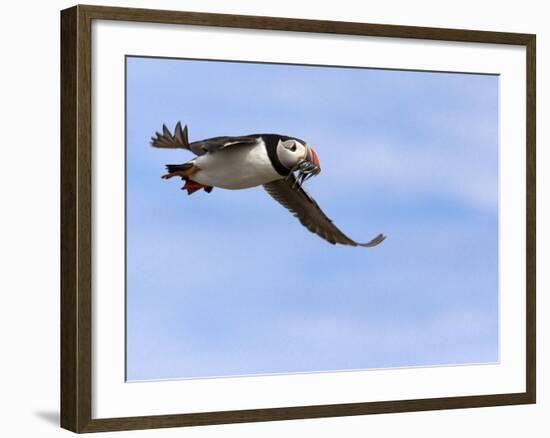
(376, 241)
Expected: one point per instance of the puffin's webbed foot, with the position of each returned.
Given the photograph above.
(182, 170)
(169, 175)
(192, 186)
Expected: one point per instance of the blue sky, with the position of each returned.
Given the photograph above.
(230, 283)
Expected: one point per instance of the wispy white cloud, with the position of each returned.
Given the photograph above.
(306, 343)
(445, 171)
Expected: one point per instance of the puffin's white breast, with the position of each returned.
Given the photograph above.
(235, 167)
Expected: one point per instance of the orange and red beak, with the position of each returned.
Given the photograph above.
(312, 157)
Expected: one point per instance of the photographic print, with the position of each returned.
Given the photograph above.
(285, 218)
(268, 218)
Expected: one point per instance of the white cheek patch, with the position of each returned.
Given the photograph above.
(289, 158)
(286, 157)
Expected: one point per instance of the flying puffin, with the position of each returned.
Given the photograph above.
(269, 160)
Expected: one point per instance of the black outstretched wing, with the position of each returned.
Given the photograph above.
(216, 143)
(295, 199)
(180, 140)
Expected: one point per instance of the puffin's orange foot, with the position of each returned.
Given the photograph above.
(184, 170)
(192, 186)
(172, 174)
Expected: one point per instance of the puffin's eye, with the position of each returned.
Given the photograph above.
(290, 145)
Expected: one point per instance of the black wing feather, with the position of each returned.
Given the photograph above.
(295, 199)
(217, 143)
(180, 141)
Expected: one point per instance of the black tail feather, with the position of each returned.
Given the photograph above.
(171, 168)
(167, 140)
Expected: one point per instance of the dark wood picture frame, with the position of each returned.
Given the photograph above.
(76, 218)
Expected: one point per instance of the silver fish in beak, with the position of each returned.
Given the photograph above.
(308, 167)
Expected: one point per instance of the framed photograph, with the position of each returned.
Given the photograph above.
(269, 218)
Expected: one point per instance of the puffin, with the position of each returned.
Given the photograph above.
(279, 163)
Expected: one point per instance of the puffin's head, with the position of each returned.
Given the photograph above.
(298, 156)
